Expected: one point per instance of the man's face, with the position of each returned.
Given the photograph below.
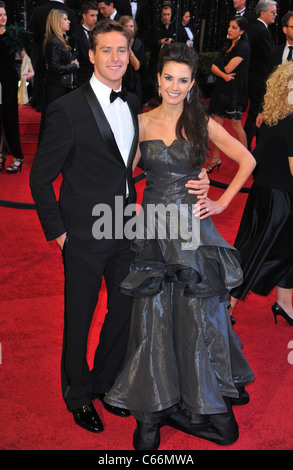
(105, 10)
(239, 4)
(288, 30)
(166, 15)
(110, 58)
(269, 16)
(90, 18)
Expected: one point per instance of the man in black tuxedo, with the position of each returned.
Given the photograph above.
(138, 10)
(80, 41)
(108, 10)
(79, 142)
(261, 44)
(280, 54)
(285, 51)
(37, 25)
(241, 10)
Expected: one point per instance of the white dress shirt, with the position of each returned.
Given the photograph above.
(118, 115)
(286, 52)
(133, 8)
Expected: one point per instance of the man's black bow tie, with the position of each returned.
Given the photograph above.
(118, 94)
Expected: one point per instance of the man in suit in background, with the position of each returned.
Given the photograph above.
(284, 52)
(261, 44)
(138, 11)
(37, 25)
(280, 54)
(107, 10)
(241, 10)
(80, 41)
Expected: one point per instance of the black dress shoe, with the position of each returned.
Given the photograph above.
(243, 398)
(110, 408)
(88, 418)
(221, 429)
(146, 436)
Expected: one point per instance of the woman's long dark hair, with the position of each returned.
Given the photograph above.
(192, 124)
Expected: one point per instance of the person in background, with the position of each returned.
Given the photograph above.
(37, 25)
(61, 65)
(80, 42)
(241, 10)
(132, 79)
(261, 43)
(9, 118)
(186, 32)
(140, 11)
(164, 32)
(265, 235)
(107, 10)
(229, 97)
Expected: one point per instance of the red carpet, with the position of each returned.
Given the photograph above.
(33, 415)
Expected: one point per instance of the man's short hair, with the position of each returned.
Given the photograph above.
(106, 26)
(286, 18)
(263, 5)
(86, 6)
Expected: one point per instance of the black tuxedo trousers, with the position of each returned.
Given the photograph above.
(83, 279)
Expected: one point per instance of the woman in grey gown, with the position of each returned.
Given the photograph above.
(184, 363)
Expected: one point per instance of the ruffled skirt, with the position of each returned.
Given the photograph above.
(182, 348)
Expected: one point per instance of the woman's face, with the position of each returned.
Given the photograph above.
(65, 24)
(175, 82)
(3, 17)
(234, 30)
(186, 18)
(129, 26)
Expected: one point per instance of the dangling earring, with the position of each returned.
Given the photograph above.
(159, 91)
(188, 96)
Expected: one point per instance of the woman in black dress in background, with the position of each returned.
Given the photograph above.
(133, 78)
(229, 98)
(265, 236)
(9, 119)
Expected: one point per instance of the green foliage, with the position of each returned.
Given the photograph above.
(17, 38)
(205, 62)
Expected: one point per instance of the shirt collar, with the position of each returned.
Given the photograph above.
(258, 19)
(101, 90)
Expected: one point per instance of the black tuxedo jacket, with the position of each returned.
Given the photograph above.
(182, 34)
(78, 142)
(79, 41)
(261, 44)
(276, 57)
(141, 17)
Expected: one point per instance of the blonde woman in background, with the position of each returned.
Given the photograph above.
(60, 63)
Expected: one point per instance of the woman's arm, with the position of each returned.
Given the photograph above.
(291, 164)
(225, 76)
(233, 64)
(238, 153)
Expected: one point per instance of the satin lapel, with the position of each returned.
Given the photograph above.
(101, 121)
(135, 137)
